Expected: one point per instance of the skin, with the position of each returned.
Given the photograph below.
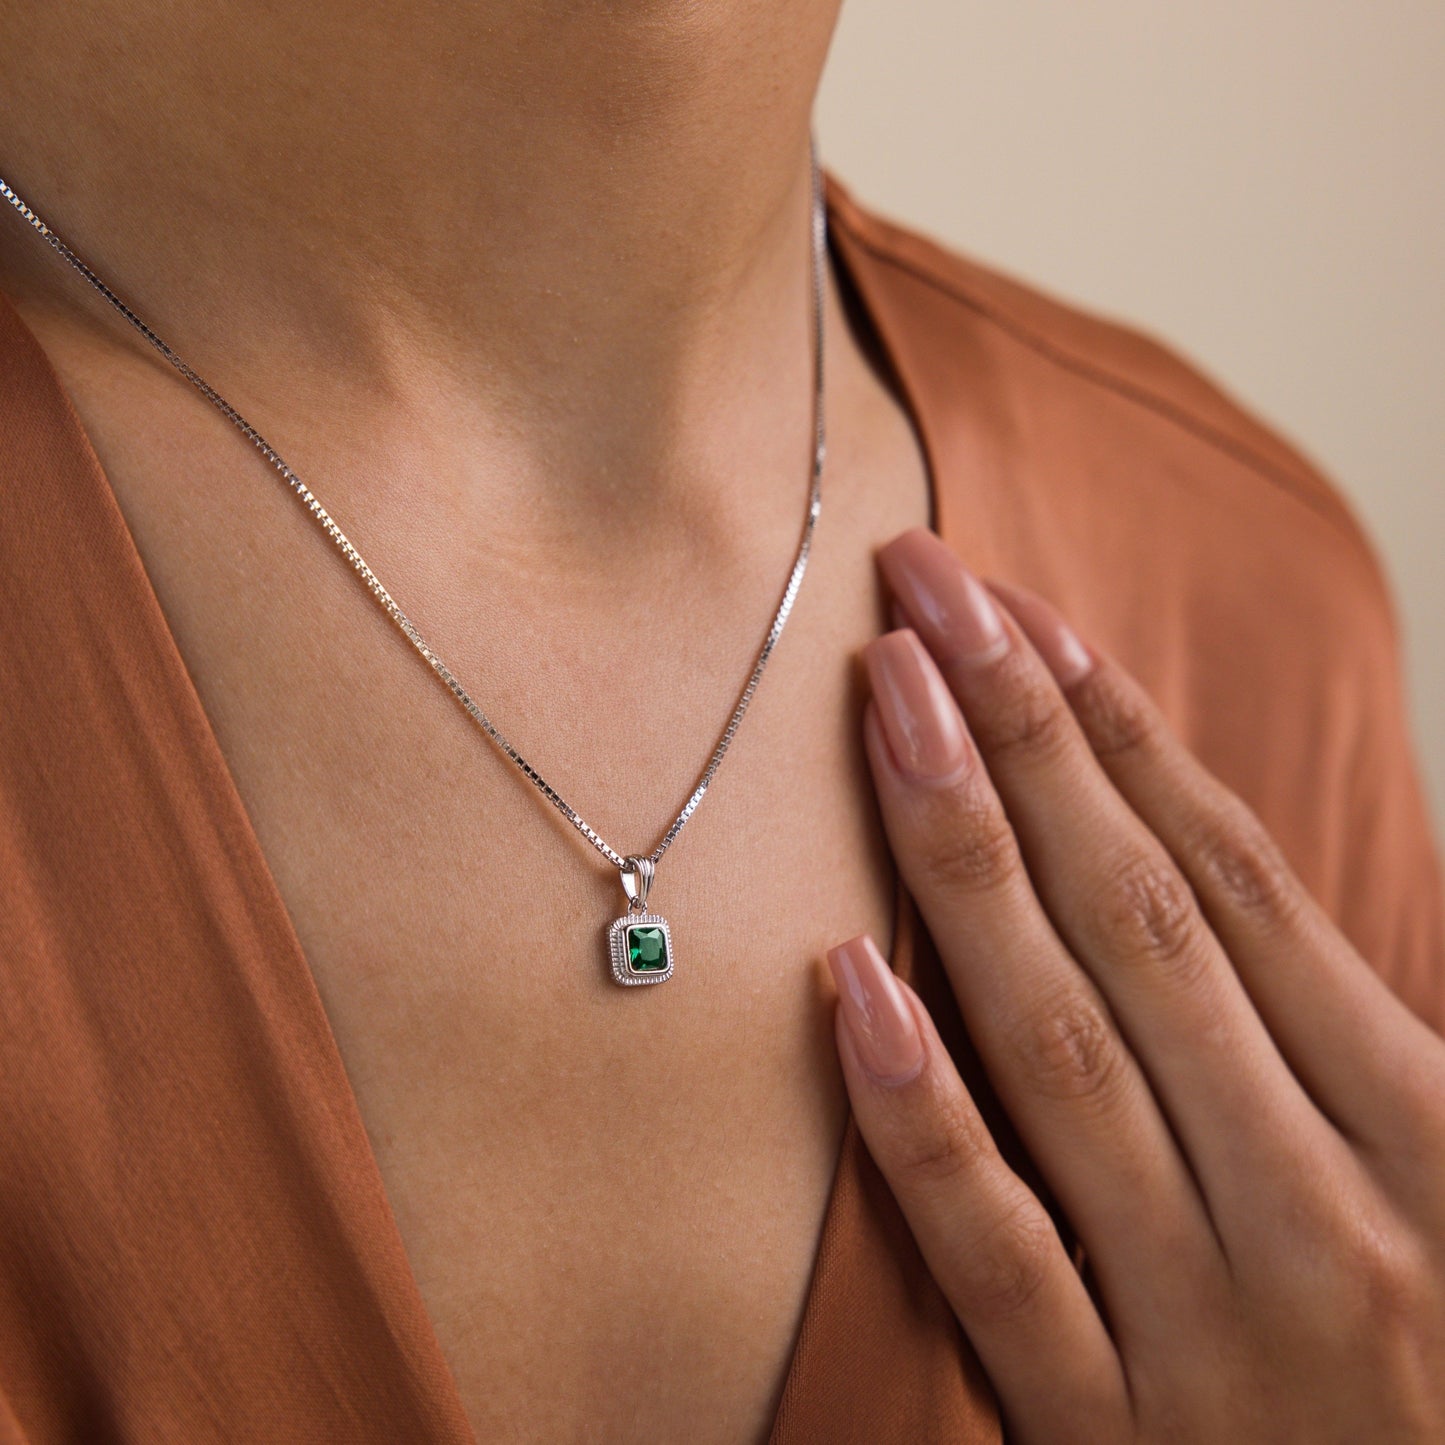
(1244, 1126)
(611, 1203)
(496, 386)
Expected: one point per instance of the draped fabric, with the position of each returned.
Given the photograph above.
(194, 1240)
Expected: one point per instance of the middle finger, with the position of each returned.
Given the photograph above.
(1046, 1037)
(1108, 884)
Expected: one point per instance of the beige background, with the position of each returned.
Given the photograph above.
(1261, 184)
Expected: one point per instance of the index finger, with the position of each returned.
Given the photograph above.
(987, 1239)
(1111, 888)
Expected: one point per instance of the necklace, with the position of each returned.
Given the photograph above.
(639, 943)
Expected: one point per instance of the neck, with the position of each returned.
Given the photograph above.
(587, 223)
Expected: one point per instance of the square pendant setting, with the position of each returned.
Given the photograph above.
(640, 946)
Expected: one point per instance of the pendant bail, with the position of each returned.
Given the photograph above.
(637, 882)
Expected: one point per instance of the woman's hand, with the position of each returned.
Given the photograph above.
(1245, 1128)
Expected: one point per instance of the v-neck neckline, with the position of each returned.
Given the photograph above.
(328, 1068)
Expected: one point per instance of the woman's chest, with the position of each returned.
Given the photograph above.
(610, 1199)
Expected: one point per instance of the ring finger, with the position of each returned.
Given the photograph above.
(1044, 1033)
(1115, 895)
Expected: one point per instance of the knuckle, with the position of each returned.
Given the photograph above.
(948, 1141)
(970, 847)
(1399, 1293)
(1380, 1283)
(1392, 1309)
(1244, 868)
(1008, 1264)
(1116, 719)
(1024, 714)
(1071, 1051)
(1148, 910)
(1354, 1279)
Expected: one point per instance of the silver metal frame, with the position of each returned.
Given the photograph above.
(622, 970)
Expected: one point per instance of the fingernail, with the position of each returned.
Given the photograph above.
(876, 1012)
(920, 719)
(1063, 652)
(948, 604)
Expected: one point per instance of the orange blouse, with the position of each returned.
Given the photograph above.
(194, 1240)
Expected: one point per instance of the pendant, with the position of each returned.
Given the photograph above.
(639, 943)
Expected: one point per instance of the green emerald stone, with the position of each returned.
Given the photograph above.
(646, 948)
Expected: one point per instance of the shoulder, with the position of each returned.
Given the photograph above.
(1103, 426)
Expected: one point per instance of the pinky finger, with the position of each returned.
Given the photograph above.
(986, 1238)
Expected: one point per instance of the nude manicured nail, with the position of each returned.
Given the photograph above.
(920, 719)
(877, 1014)
(1063, 654)
(948, 604)
(1055, 641)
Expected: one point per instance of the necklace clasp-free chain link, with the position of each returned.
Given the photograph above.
(629, 866)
